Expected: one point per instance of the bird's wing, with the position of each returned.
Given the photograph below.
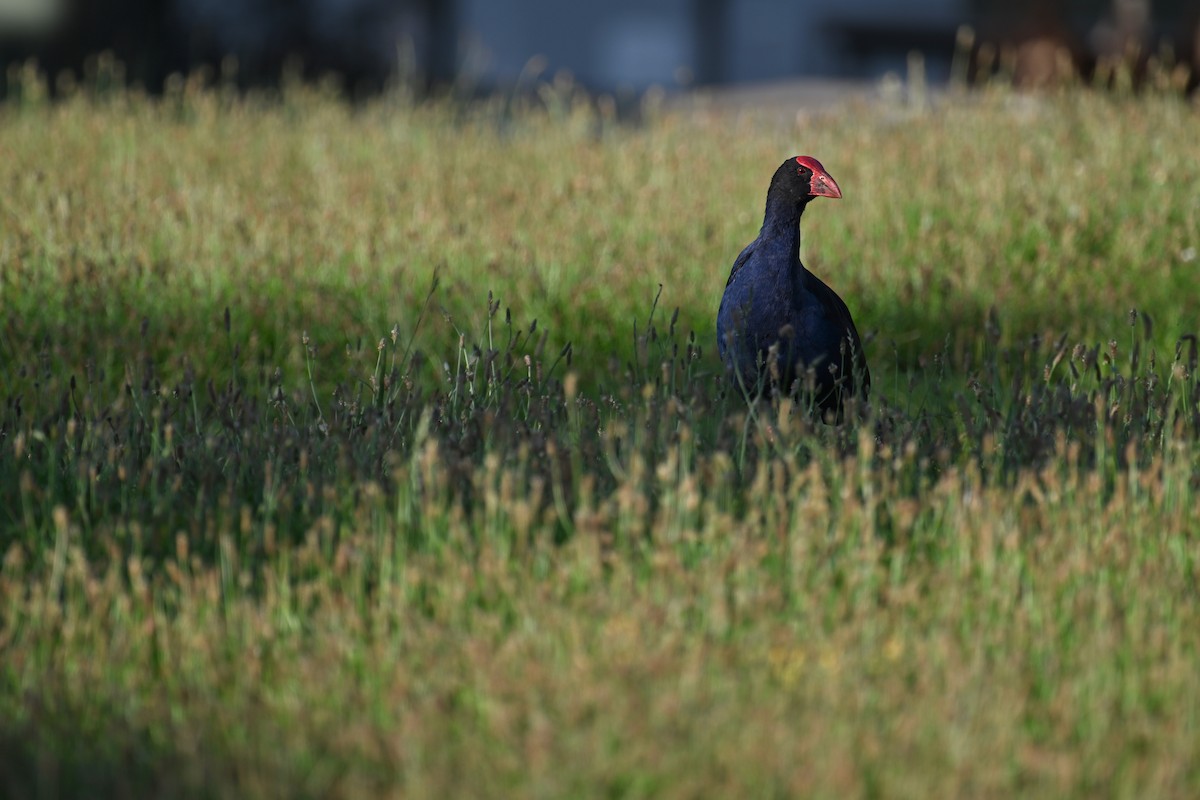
(741, 260)
(738, 263)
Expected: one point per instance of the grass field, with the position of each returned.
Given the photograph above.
(298, 500)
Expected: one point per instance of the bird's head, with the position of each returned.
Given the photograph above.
(805, 178)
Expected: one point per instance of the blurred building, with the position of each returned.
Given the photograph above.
(635, 43)
(630, 44)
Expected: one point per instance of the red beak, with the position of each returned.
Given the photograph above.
(822, 184)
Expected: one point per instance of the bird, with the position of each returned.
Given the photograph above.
(780, 325)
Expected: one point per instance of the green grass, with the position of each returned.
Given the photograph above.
(296, 499)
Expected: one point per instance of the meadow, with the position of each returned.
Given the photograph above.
(382, 450)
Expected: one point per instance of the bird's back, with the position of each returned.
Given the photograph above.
(798, 320)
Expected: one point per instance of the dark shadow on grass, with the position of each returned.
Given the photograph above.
(54, 758)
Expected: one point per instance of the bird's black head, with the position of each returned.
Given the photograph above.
(803, 178)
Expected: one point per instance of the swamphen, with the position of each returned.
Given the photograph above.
(778, 322)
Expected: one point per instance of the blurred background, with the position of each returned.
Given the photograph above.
(620, 45)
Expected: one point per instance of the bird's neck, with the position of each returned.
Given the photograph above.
(781, 223)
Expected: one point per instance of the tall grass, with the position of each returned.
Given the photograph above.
(297, 498)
